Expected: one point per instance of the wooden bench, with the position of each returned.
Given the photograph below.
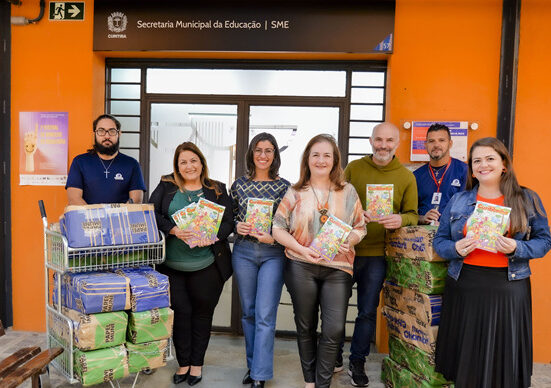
(25, 363)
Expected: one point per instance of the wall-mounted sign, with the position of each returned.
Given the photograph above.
(43, 148)
(66, 10)
(458, 131)
(215, 25)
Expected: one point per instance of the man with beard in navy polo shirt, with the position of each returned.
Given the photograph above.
(103, 174)
(441, 177)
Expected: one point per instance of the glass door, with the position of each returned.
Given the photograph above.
(293, 127)
(213, 128)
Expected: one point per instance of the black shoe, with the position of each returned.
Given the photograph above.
(257, 384)
(192, 380)
(180, 378)
(356, 370)
(247, 379)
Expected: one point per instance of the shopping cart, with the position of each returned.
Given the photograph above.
(59, 258)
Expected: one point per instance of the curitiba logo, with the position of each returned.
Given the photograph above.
(116, 22)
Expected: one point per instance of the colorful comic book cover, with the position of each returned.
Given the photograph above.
(259, 214)
(378, 200)
(184, 217)
(330, 237)
(206, 220)
(486, 223)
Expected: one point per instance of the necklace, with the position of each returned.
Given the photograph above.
(196, 193)
(323, 210)
(106, 172)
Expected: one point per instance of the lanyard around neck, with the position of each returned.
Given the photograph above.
(438, 182)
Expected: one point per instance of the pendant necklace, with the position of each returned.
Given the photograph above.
(106, 172)
(188, 195)
(323, 210)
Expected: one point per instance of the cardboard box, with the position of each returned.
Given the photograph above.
(109, 224)
(396, 376)
(149, 355)
(99, 366)
(149, 289)
(151, 325)
(423, 276)
(413, 242)
(425, 307)
(98, 331)
(411, 330)
(415, 360)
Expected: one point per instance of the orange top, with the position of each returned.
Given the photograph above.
(485, 258)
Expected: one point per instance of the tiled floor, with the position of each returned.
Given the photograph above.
(225, 365)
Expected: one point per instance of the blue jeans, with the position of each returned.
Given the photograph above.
(258, 269)
(369, 275)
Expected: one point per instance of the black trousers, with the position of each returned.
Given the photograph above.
(193, 297)
(313, 287)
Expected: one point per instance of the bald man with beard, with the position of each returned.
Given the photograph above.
(382, 167)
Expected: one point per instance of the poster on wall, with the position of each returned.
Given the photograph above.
(458, 131)
(43, 148)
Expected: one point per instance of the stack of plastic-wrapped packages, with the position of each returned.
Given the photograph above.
(412, 303)
(121, 318)
(121, 321)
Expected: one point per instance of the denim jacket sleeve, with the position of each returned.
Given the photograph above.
(537, 242)
(443, 243)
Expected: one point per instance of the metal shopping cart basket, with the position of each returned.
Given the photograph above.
(60, 258)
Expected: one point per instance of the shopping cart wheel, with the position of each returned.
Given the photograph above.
(148, 371)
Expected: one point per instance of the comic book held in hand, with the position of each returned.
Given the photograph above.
(206, 221)
(486, 223)
(331, 235)
(184, 216)
(259, 214)
(378, 200)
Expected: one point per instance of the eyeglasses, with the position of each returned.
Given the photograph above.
(111, 132)
(267, 151)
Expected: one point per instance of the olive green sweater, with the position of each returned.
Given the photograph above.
(362, 172)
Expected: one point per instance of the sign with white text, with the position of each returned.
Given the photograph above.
(270, 25)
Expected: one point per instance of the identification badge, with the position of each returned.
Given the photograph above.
(436, 197)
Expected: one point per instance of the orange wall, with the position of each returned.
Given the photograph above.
(445, 66)
(532, 145)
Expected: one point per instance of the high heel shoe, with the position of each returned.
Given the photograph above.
(192, 380)
(247, 379)
(257, 384)
(177, 379)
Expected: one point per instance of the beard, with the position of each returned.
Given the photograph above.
(434, 156)
(106, 150)
(381, 156)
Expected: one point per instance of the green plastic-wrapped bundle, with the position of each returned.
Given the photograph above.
(98, 331)
(150, 325)
(396, 376)
(416, 360)
(99, 366)
(150, 355)
(419, 275)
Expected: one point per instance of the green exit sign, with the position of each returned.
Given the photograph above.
(66, 10)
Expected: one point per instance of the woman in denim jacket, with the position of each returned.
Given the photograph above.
(485, 334)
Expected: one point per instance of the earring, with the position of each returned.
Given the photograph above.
(473, 175)
(504, 169)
